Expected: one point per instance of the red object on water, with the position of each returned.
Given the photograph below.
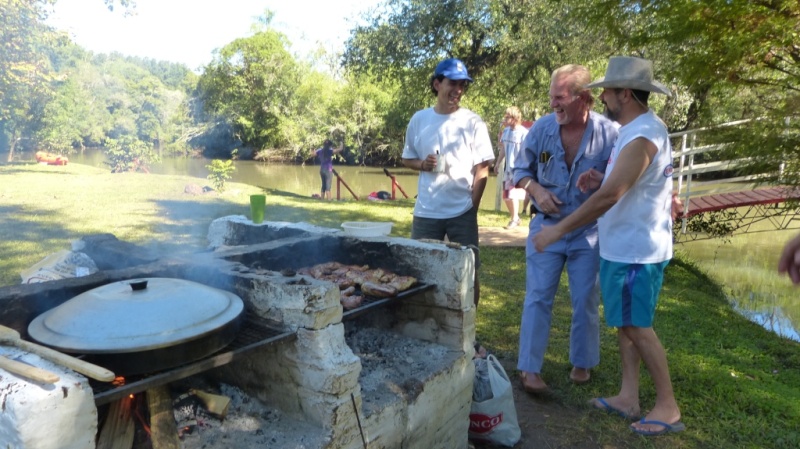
(51, 159)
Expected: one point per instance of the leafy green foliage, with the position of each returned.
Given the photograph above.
(219, 172)
(24, 70)
(55, 96)
(250, 84)
(717, 224)
(508, 47)
(736, 59)
(127, 154)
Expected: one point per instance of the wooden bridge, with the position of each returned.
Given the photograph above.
(729, 206)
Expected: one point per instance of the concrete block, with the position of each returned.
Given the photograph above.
(310, 304)
(45, 416)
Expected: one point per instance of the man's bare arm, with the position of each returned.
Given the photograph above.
(631, 163)
(479, 184)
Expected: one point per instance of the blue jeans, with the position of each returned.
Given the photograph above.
(579, 252)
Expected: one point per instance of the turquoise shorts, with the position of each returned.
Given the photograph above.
(630, 292)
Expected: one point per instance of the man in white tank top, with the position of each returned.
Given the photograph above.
(633, 209)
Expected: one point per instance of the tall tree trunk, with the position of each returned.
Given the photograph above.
(698, 102)
(11, 146)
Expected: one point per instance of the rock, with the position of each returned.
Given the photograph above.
(193, 189)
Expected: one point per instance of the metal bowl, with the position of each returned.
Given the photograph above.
(142, 325)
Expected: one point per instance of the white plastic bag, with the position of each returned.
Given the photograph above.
(494, 420)
(59, 265)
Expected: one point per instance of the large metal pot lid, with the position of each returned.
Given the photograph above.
(136, 315)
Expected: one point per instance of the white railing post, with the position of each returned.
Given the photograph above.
(680, 184)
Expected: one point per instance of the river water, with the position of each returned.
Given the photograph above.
(297, 179)
(745, 266)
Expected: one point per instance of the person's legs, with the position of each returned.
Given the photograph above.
(510, 207)
(513, 198)
(514, 209)
(654, 356)
(582, 267)
(543, 273)
(327, 178)
(427, 228)
(630, 293)
(627, 400)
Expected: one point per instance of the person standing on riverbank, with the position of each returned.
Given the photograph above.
(325, 155)
(560, 145)
(509, 145)
(451, 148)
(634, 207)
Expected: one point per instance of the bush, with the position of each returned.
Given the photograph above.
(127, 154)
(220, 171)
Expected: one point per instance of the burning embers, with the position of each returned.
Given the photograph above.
(355, 281)
(193, 414)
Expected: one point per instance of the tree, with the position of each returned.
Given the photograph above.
(24, 70)
(736, 59)
(128, 154)
(250, 84)
(510, 48)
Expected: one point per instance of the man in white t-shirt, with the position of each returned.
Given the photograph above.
(451, 148)
(633, 207)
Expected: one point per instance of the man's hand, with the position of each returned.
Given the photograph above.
(548, 201)
(545, 237)
(589, 180)
(677, 207)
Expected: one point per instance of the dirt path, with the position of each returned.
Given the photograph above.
(498, 236)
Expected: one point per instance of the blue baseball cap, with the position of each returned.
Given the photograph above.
(453, 69)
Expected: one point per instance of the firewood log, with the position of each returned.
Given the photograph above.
(163, 430)
(118, 429)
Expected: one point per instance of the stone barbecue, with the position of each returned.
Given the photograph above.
(390, 374)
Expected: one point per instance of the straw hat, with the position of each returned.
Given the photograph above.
(630, 73)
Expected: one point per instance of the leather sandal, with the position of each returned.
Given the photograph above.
(533, 389)
(579, 379)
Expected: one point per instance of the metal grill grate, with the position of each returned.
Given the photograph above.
(255, 332)
(372, 302)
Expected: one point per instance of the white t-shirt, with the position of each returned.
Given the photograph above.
(512, 145)
(462, 141)
(638, 229)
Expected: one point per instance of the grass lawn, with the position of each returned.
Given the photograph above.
(738, 385)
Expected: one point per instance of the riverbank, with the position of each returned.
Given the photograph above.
(738, 385)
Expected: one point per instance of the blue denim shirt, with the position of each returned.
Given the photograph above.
(542, 158)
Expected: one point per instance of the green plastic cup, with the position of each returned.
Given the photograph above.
(257, 205)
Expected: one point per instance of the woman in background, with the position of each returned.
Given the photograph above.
(325, 155)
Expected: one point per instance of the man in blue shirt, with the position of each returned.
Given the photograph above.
(559, 147)
(634, 205)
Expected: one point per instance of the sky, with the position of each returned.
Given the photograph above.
(188, 31)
